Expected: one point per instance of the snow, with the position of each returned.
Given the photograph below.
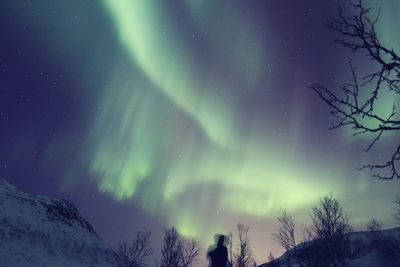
(42, 231)
(369, 249)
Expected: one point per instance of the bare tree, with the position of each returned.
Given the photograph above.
(244, 255)
(329, 232)
(285, 233)
(396, 214)
(190, 253)
(172, 248)
(230, 248)
(328, 219)
(355, 105)
(374, 226)
(134, 254)
(175, 253)
(388, 246)
(308, 235)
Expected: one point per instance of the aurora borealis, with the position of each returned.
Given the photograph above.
(190, 113)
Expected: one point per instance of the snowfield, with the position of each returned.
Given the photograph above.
(42, 231)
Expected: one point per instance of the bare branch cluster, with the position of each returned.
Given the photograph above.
(329, 220)
(327, 241)
(190, 253)
(285, 233)
(355, 106)
(396, 214)
(135, 253)
(386, 245)
(329, 231)
(175, 253)
(374, 226)
(244, 255)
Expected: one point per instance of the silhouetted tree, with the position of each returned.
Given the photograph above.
(175, 253)
(230, 248)
(285, 233)
(172, 248)
(396, 214)
(386, 245)
(328, 219)
(189, 253)
(134, 254)
(329, 232)
(355, 104)
(374, 226)
(244, 255)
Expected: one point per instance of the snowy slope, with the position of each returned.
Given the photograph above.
(368, 249)
(42, 231)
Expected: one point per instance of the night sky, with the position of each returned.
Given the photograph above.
(187, 113)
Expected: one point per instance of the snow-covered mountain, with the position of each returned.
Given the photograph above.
(367, 249)
(42, 231)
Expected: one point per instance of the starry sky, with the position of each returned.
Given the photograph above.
(189, 113)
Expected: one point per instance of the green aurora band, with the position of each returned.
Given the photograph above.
(169, 137)
(196, 113)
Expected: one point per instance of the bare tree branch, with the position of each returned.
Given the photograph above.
(172, 248)
(396, 214)
(134, 254)
(329, 220)
(285, 233)
(355, 105)
(244, 254)
(190, 253)
(176, 252)
(329, 230)
(374, 226)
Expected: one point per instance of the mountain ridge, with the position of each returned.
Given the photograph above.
(37, 230)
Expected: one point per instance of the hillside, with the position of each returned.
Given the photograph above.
(367, 249)
(42, 231)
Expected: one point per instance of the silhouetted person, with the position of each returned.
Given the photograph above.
(219, 255)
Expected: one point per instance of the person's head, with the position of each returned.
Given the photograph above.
(221, 240)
